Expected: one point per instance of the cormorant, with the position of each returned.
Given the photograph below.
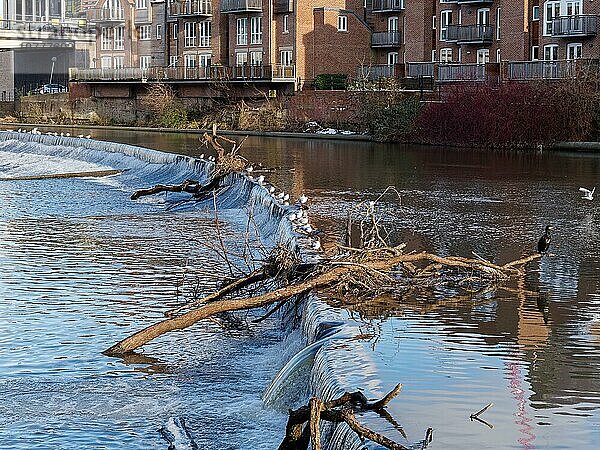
(544, 242)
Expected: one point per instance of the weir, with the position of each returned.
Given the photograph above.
(321, 325)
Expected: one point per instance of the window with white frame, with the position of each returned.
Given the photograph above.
(144, 32)
(342, 23)
(119, 38)
(173, 60)
(105, 38)
(159, 32)
(285, 57)
(483, 16)
(445, 55)
(535, 13)
(145, 61)
(393, 24)
(483, 56)
(141, 4)
(551, 52)
(498, 17)
(204, 59)
(498, 55)
(242, 31)
(205, 33)
(189, 33)
(574, 50)
(286, 23)
(445, 20)
(175, 30)
(256, 30)
(573, 8)
(551, 11)
(392, 58)
(189, 61)
(535, 52)
(241, 58)
(119, 62)
(256, 58)
(434, 22)
(433, 56)
(105, 62)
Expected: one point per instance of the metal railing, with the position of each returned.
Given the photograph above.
(461, 72)
(542, 70)
(106, 14)
(386, 39)
(45, 27)
(388, 5)
(376, 72)
(232, 6)
(181, 73)
(283, 6)
(420, 69)
(470, 33)
(575, 26)
(190, 8)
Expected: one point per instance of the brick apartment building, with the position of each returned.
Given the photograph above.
(293, 41)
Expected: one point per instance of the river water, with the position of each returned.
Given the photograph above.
(81, 264)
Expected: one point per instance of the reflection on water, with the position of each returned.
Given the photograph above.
(532, 348)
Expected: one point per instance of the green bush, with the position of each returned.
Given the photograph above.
(173, 116)
(328, 81)
(391, 120)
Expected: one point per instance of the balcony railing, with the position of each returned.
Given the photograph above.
(239, 6)
(190, 8)
(388, 5)
(283, 6)
(378, 71)
(419, 69)
(386, 39)
(461, 72)
(174, 74)
(463, 2)
(45, 27)
(542, 70)
(106, 14)
(575, 26)
(471, 34)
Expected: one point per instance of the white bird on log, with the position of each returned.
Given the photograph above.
(587, 194)
(260, 179)
(292, 217)
(202, 156)
(286, 197)
(89, 136)
(80, 136)
(303, 199)
(317, 244)
(249, 169)
(68, 134)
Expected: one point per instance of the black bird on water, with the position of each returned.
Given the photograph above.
(544, 242)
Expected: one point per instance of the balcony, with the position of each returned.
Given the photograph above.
(386, 39)
(190, 8)
(377, 72)
(283, 6)
(461, 72)
(241, 6)
(106, 15)
(471, 34)
(575, 26)
(466, 2)
(382, 6)
(551, 70)
(275, 73)
(420, 70)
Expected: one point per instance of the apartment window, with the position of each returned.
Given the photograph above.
(483, 16)
(144, 32)
(498, 55)
(256, 30)
(574, 50)
(286, 23)
(433, 56)
(205, 59)
(342, 23)
(551, 10)
(105, 39)
(445, 20)
(498, 16)
(256, 58)
(189, 61)
(483, 56)
(145, 62)
(434, 22)
(205, 32)
(392, 58)
(105, 62)
(141, 4)
(175, 30)
(445, 55)
(535, 53)
(241, 58)
(573, 8)
(189, 32)
(535, 13)
(158, 32)
(242, 31)
(551, 52)
(393, 24)
(285, 57)
(173, 60)
(119, 62)
(119, 38)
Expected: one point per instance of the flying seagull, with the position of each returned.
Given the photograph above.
(587, 194)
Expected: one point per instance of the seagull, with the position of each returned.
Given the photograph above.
(260, 179)
(587, 194)
(202, 156)
(286, 197)
(544, 242)
(292, 217)
(303, 199)
(316, 245)
(271, 189)
(68, 134)
(249, 169)
(89, 136)
(80, 135)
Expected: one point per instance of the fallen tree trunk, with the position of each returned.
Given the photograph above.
(91, 174)
(189, 186)
(327, 278)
